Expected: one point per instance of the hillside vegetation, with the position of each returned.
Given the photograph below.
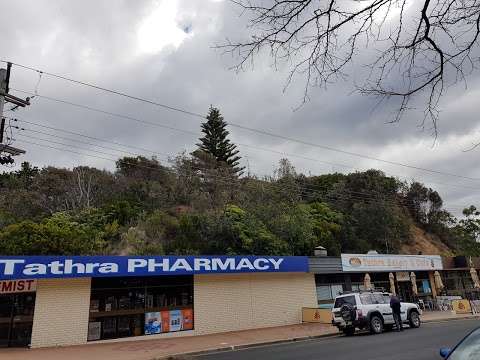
(204, 203)
(146, 208)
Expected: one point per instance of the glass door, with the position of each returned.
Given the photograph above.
(405, 291)
(16, 319)
(5, 319)
(22, 319)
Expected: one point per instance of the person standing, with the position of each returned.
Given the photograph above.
(396, 310)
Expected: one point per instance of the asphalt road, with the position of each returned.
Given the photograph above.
(412, 344)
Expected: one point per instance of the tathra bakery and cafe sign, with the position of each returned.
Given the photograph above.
(379, 262)
(37, 267)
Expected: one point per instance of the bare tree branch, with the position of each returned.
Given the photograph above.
(422, 47)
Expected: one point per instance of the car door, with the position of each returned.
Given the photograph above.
(387, 310)
(404, 311)
(369, 304)
(339, 302)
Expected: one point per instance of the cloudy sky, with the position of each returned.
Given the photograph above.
(163, 51)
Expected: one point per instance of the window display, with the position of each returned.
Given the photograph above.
(135, 306)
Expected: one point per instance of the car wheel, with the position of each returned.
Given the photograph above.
(376, 324)
(349, 331)
(414, 319)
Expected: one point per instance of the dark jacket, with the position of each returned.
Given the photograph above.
(395, 304)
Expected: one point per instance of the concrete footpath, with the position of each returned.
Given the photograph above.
(145, 349)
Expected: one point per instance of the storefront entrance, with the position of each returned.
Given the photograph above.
(405, 291)
(16, 319)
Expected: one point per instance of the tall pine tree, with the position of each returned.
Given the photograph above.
(215, 142)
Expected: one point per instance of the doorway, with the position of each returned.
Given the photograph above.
(405, 291)
(16, 319)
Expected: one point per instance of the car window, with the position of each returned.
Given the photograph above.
(386, 298)
(367, 299)
(378, 298)
(339, 302)
(468, 349)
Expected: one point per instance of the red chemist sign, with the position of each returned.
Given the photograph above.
(17, 286)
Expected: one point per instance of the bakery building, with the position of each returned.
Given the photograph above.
(62, 300)
(412, 277)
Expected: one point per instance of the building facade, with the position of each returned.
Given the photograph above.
(65, 305)
(58, 301)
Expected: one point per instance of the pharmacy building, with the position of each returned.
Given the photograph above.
(71, 300)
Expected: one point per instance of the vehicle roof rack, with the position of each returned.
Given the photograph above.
(378, 289)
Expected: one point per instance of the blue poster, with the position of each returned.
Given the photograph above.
(426, 287)
(153, 323)
(176, 320)
(38, 267)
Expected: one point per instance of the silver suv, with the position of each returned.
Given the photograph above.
(370, 310)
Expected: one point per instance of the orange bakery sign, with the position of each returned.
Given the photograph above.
(17, 286)
(381, 262)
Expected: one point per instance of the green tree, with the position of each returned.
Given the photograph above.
(245, 234)
(57, 235)
(216, 143)
(326, 225)
(152, 235)
(22, 178)
(287, 182)
(468, 232)
(380, 226)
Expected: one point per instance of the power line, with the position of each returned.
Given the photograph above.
(68, 145)
(78, 141)
(196, 134)
(67, 150)
(174, 128)
(258, 131)
(107, 112)
(86, 136)
(259, 148)
(115, 92)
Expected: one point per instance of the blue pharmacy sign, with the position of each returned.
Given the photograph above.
(43, 267)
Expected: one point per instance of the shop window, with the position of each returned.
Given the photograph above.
(123, 307)
(358, 287)
(328, 292)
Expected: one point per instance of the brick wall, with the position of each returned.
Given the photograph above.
(61, 312)
(221, 303)
(246, 301)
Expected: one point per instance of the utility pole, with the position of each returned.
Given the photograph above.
(4, 98)
(3, 89)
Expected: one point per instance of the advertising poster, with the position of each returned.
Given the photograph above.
(187, 315)
(165, 321)
(315, 315)
(461, 306)
(176, 321)
(426, 287)
(153, 323)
